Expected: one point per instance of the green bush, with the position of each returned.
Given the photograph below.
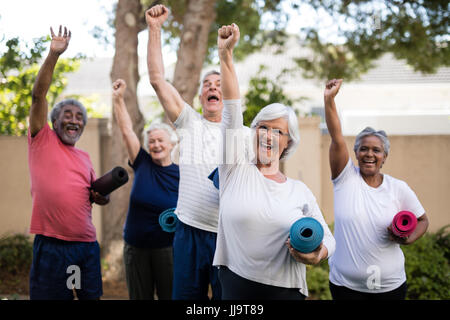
(317, 280)
(16, 253)
(426, 264)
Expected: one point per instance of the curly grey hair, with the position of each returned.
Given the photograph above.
(56, 110)
(368, 131)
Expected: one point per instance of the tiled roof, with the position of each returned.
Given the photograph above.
(390, 70)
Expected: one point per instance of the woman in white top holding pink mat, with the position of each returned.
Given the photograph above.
(368, 262)
(258, 204)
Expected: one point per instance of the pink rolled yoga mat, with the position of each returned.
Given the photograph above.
(404, 223)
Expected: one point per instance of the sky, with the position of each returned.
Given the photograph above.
(30, 19)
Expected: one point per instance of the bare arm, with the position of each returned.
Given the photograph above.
(39, 104)
(228, 36)
(338, 148)
(124, 121)
(168, 96)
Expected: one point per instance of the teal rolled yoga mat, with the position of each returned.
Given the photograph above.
(168, 220)
(306, 234)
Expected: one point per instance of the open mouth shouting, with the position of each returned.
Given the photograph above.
(213, 98)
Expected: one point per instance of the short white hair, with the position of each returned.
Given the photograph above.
(275, 111)
(160, 126)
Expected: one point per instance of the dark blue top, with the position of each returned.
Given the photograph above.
(155, 189)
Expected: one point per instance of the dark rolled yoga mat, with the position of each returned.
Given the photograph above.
(110, 181)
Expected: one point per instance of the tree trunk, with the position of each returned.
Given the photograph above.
(193, 47)
(125, 66)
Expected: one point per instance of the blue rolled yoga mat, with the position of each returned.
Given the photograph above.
(168, 220)
(214, 177)
(306, 234)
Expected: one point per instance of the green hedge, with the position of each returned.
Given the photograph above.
(16, 254)
(427, 264)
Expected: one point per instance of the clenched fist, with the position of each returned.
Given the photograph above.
(228, 36)
(119, 87)
(332, 88)
(155, 16)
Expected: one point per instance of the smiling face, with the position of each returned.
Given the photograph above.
(211, 96)
(272, 137)
(69, 125)
(370, 155)
(160, 146)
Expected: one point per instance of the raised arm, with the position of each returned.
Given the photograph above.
(232, 124)
(167, 94)
(124, 121)
(39, 104)
(227, 38)
(338, 148)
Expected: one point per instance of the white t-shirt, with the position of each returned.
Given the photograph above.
(200, 151)
(365, 259)
(256, 214)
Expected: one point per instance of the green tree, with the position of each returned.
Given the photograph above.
(248, 14)
(18, 71)
(263, 91)
(417, 31)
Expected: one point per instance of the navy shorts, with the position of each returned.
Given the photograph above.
(60, 266)
(193, 254)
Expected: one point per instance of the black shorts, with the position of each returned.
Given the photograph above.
(235, 287)
(344, 293)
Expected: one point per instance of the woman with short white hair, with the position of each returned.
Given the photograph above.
(258, 203)
(147, 248)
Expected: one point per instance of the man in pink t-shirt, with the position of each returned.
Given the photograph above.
(66, 254)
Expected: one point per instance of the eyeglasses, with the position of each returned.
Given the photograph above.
(275, 132)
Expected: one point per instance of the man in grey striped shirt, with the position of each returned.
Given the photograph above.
(198, 201)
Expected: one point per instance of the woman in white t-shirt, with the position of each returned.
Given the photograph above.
(258, 203)
(368, 262)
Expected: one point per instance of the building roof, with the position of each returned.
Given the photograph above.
(390, 70)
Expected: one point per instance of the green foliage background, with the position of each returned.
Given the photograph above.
(18, 70)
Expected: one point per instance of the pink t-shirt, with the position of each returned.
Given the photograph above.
(60, 179)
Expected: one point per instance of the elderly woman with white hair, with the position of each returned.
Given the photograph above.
(148, 252)
(368, 263)
(258, 203)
